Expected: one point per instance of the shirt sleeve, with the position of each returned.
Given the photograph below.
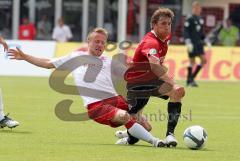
(150, 49)
(69, 33)
(54, 34)
(57, 62)
(187, 29)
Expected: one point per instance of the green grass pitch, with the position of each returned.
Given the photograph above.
(41, 136)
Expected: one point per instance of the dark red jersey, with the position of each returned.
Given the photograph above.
(150, 45)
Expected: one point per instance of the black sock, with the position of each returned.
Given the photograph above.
(189, 74)
(198, 68)
(131, 139)
(174, 111)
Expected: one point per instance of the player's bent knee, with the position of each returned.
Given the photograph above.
(121, 117)
(178, 94)
(181, 92)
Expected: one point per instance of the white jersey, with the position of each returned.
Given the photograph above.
(62, 34)
(94, 78)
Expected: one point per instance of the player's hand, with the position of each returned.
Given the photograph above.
(209, 46)
(208, 43)
(190, 47)
(3, 42)
(16, 54)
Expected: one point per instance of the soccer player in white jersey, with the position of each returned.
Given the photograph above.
(5, 121)
(108, 108)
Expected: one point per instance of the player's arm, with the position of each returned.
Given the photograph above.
(187, 29)
(3, 42)
(150, 50)
(20, 55)
(159, 70)
(170, 84)
(187, 33)
(69, 33)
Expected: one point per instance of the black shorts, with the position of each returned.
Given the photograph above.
(198, 50)
(139, 94)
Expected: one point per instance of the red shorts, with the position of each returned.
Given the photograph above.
(104, 111)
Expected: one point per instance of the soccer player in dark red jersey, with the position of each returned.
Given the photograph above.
(148, 76)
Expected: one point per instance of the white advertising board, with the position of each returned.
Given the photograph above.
(22, 68)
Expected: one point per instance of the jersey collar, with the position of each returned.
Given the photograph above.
(152, 31)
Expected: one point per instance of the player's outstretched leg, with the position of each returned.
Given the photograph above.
(136, 130)
(156, 143)
(142, 120)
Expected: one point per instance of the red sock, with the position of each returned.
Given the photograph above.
(130, 123)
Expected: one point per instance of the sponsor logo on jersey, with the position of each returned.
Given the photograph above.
(152, 51)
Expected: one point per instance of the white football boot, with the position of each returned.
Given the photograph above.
(123, 141)
(171, 140)
(8, 122)
(158, 143)
(121, 134)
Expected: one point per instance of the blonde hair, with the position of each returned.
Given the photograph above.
(196, 3)
(161, 12)
(97, 30)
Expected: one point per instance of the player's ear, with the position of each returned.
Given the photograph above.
(152, 25)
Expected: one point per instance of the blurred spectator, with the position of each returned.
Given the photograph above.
(212, 35)
(61, 32)
(27, 30)
(194, 39)
(44, 29)
(229, 34)
(109, 27)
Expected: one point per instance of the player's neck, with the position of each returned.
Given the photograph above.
(158, 36)
(195, 14)
(93, 54)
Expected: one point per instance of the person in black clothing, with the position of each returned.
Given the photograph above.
(194, 40)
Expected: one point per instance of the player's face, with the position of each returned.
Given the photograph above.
(163, 27)
(96, 44)
(197, 9)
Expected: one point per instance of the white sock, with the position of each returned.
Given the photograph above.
(141, 133)
(1, 106)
